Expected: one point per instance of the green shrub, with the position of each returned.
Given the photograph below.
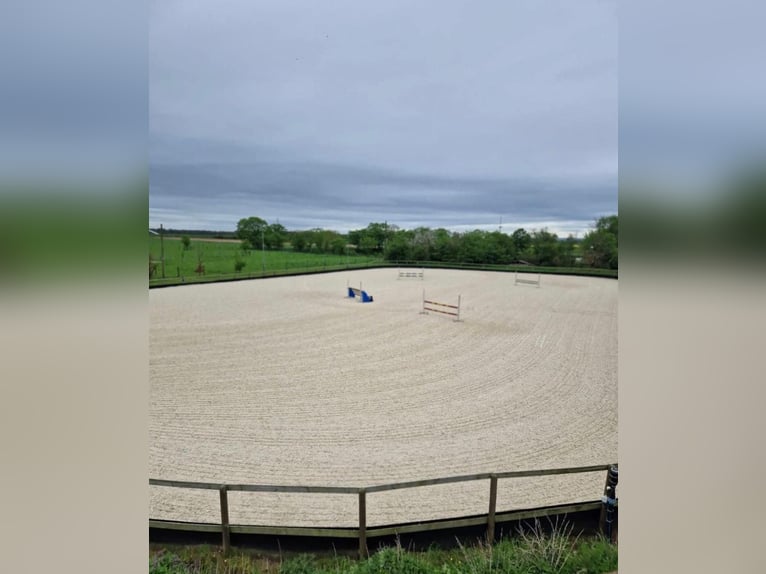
(594, 556)
(200, 560)
(166, 563)
(394, 561)
(531, 552)
(301, 564)
(484, 558)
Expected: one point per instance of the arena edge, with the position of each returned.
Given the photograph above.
(570, 271)
(606, 507)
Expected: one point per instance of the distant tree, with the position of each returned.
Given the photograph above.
(544, 247)
(607, 224)
(444, 246)
(379, 233)
(499, 248)
(373, 238)
(367, 244)
(338, 246)
(566, 254)
(275, 235)
(521, 240)
(599, 246)
(398, 248)
(186, 242)
(471, 246)
(355, 236)
(252, 229)
(299, 241)
(328, 241)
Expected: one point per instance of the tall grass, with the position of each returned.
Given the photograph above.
(534, 550)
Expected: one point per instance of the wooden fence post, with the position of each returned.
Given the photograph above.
(225, 531)
(362, 523)
(492, 507)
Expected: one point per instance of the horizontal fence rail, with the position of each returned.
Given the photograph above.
(308, 269)
(255, 487)
(362, 532)
(526, 281)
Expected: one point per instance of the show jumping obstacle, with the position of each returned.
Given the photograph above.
(355, 293)
(526, 281)
(415, 274)
(452, 310)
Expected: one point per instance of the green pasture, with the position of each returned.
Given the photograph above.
(219, 259)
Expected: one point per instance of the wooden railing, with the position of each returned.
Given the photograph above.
(361, 492)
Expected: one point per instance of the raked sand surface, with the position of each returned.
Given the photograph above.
(286, 381)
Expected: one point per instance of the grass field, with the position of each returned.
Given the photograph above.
(220, 256)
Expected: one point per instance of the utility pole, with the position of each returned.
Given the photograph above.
(162, 250)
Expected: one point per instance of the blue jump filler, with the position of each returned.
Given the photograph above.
(364, 297)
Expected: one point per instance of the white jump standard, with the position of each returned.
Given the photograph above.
(445, 308)
(526, 281)
(415, 274)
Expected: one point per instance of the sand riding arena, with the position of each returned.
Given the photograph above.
(288, 381)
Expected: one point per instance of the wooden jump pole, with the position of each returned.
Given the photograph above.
(516, 280)
(225, 529)
(424, 310)
(416, 274)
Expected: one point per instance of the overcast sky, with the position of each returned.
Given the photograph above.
(336, 114)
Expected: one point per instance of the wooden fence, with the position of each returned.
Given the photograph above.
(362, 532)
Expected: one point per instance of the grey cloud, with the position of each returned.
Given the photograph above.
(295, 192)
(338, 114)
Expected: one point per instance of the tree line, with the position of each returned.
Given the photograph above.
(598, 248)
